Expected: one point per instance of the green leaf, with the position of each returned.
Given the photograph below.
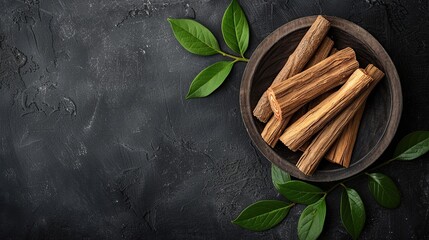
(412, 146)
(279, 176)
(352, 212)
(311, 221)
(384, 190)
(301, 192)
(194, 37)
(209, 79)
(263, 215)
(235, 29)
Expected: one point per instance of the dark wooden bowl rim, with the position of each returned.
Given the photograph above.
(269, 153)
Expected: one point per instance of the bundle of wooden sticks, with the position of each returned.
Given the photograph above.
(324, 91)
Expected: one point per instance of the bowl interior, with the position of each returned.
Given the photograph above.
(378, 110)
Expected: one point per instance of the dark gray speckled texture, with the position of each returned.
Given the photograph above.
(97, 141)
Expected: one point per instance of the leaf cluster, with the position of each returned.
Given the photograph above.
(266, 214)
(198, 39)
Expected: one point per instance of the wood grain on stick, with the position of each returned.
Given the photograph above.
(342, 150)
(311, 105)
(290, 95)
(295, 63)
(273, 130)
(314, 120)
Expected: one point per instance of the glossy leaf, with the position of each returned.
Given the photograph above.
(384, 190)
(279, 176)
(209, 79)
(235, 29)
(311, 221)
(352, 212)
(412, 146)
(194, 37)
(301, 192)
(263, 215)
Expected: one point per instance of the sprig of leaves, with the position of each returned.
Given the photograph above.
(198, 39)
(266, 214)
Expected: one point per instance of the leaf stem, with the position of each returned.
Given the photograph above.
(382, 164)
(237, 59)
(333, 187)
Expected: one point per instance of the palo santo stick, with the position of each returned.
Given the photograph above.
(275, 127)
(311, 105)
(321, 53)
(273, 130)
(341, 152)
(295, 63)
(314, 120)
(312, 156)
(288, 96)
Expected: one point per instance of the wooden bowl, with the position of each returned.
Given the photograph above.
(382, 111)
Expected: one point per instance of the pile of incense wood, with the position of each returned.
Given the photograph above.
(317, 100)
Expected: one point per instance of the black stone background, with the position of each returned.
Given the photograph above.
(97, 141)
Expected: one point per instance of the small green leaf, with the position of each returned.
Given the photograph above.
(263, 215)
(412, 146)
(301, 192)
(279, 176)
(311, 221)
(384, 190)
(352, 212)
(209, 79)
(235, 29)
(194, 37)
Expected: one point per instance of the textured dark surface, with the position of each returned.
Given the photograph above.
(97, 141)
